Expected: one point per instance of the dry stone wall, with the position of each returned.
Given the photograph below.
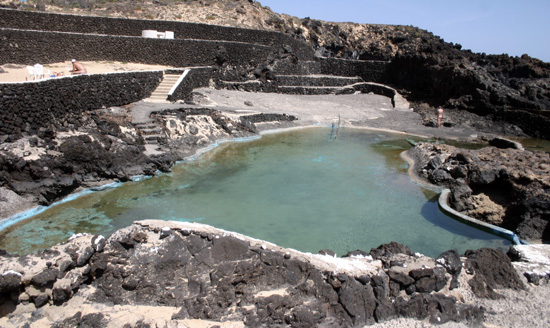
(31, 47)
(42, 21)
(368, 70)
(29, 107)
(198, 77)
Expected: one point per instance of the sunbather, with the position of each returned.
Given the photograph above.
(78, 68)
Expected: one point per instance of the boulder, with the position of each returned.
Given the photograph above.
(389, 249)
(98, 243)
(492, 270)
(45, 278)
(61, 291)
(10, 281)
(84, 256)
(440, 176)
(41, 300)
(450, 260)
(401, 278)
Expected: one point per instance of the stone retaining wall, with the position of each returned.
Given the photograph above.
(198, 77)
(31, 47)
(376, 88)
(297, 68)
(368, 70)
(42, 21)
(316, 80)
(29, 107)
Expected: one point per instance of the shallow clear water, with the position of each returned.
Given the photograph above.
(300, 189)
(535, 144)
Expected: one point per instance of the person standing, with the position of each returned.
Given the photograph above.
(439, 117)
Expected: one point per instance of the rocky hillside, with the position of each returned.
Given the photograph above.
(424, 67)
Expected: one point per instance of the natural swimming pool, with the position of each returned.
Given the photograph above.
(303, 189)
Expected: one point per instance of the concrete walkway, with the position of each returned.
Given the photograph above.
(356, 110)
(310, 109)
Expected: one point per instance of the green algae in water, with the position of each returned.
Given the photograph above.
(299, 189)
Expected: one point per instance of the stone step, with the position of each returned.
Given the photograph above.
(250, 85)
(169, 80)
(164, 87)
(151, 131)
(315, 90)
(157, 97)
(153, 138)
(161, 92)
(141, 126)
(157, 100)
(317, 80)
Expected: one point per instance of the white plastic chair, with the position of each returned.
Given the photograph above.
(39, 71)
(32, 72)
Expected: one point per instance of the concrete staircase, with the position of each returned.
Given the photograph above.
(319, 84)
(161, 92)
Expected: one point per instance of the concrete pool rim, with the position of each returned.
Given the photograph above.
(443, 201)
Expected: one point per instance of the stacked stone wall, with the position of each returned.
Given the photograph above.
(28, 107)
(42, 21)
(368, 70)
(31, 47)
(198, 77)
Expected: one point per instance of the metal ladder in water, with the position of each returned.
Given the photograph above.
(335, 129)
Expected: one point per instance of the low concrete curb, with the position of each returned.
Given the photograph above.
(444, 205)
(443, 202)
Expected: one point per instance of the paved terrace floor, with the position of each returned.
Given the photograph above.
(359, 110)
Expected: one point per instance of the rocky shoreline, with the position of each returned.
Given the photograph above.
(503, 185)
(105, 146)
(188, 271)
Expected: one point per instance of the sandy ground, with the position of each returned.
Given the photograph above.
(19, 73)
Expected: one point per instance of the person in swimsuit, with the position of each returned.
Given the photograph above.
(78, 68)
(439, 117)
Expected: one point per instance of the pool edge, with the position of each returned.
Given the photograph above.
(443, 201)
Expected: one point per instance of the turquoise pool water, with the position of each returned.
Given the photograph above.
(301, 189)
